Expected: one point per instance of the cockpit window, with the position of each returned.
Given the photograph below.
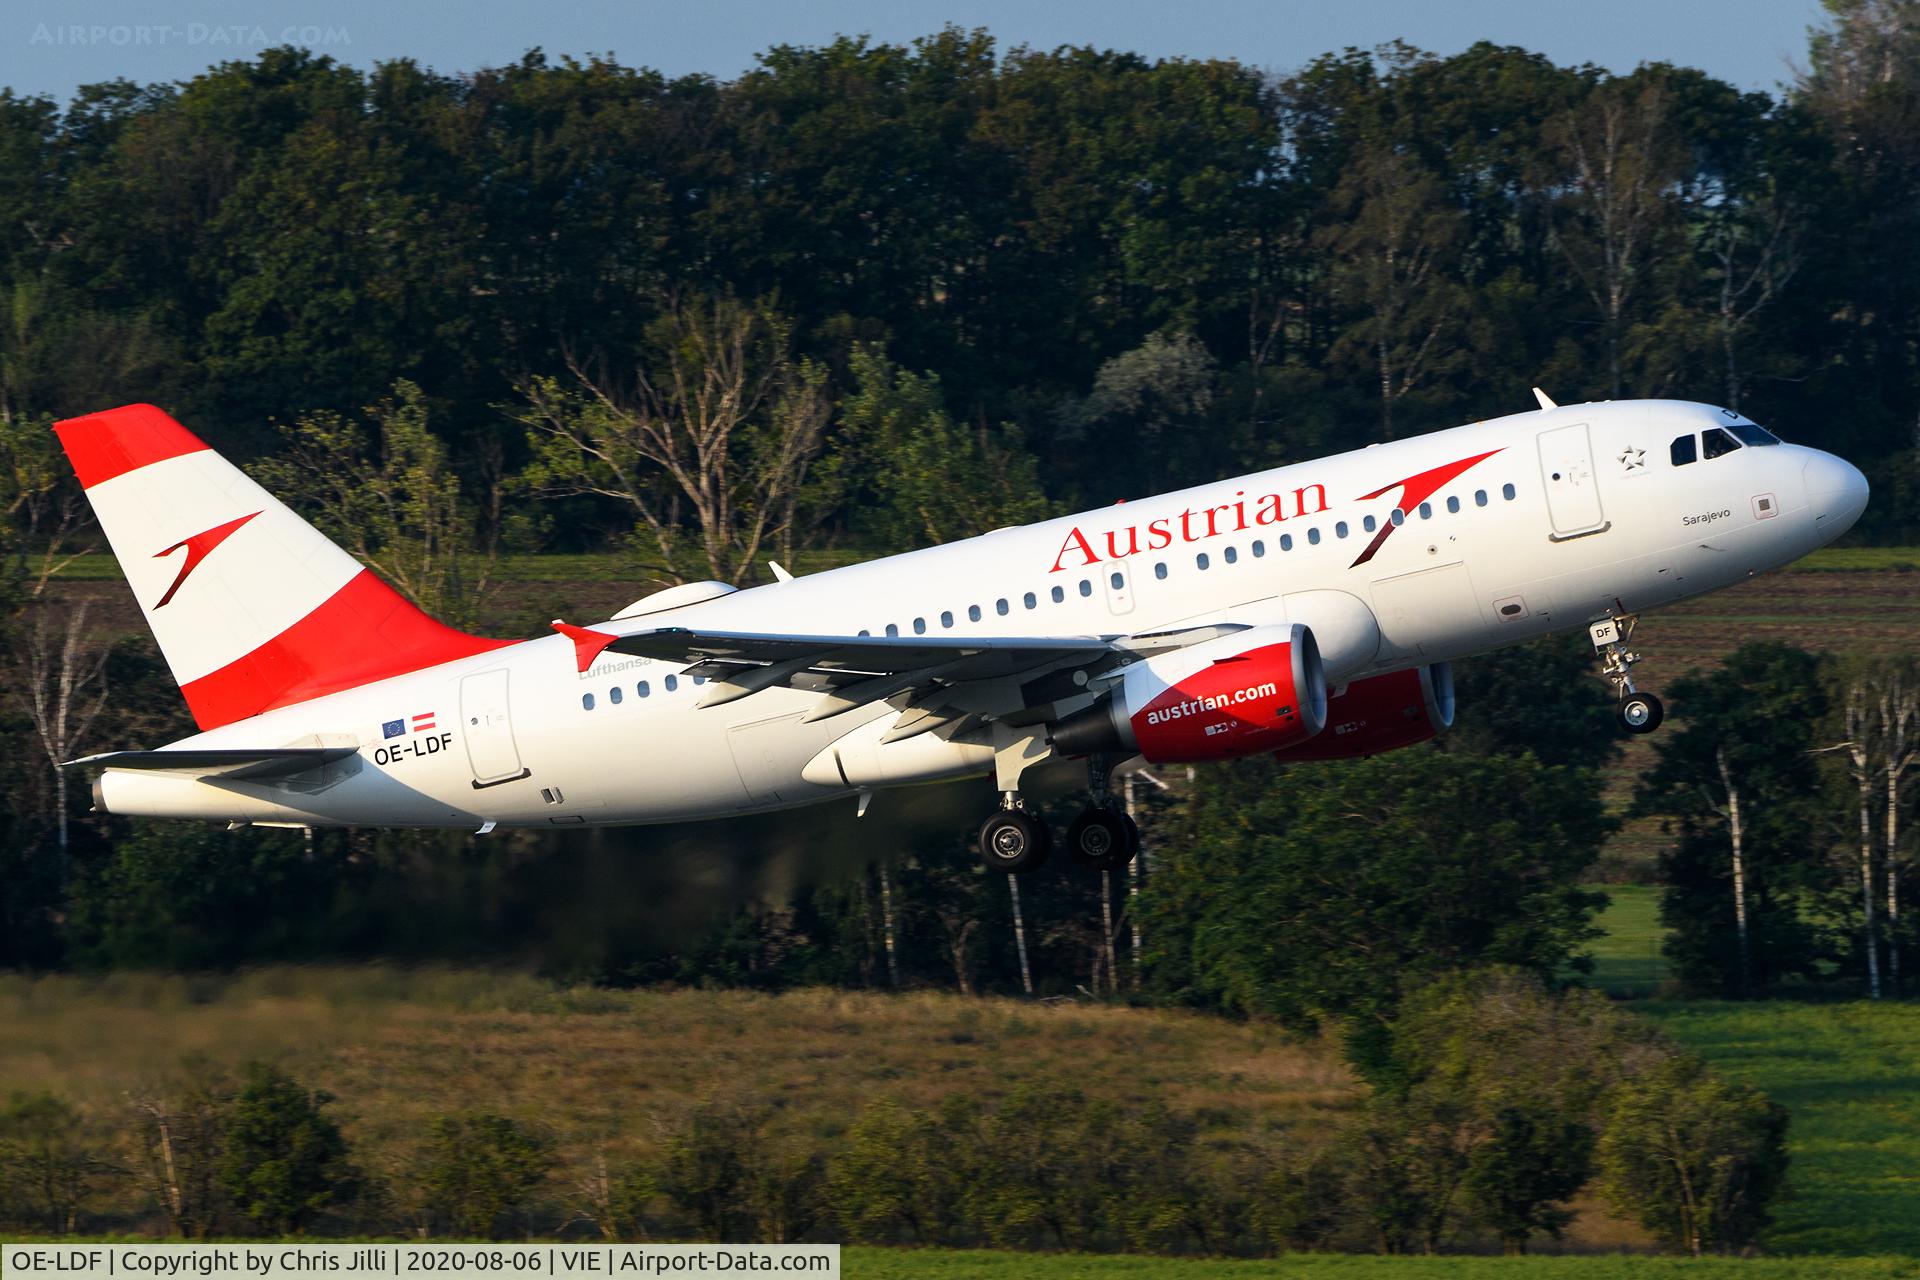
(1715, 441)
(1685, 450)
(1750, 433)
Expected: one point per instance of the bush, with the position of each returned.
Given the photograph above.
(481, 1170)
(285, 1160)
(48, 1170)
(1695, 1157)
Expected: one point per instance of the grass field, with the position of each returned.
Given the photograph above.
(1627, 961)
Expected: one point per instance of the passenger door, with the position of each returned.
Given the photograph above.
(1573, 491)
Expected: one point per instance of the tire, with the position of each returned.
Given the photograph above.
(1013, 841)
(1102, 839)
(1133, 835)
(1641, 713)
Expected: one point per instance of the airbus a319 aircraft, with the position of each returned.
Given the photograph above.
(1308, 611)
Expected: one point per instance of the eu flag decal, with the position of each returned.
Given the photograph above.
(393, 728)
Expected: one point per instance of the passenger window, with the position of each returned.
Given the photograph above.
(1715, 442)
(1368, 523)
(865, 632)
(946, 617)
(1117, 580)
(1200, 561)
(893, 628)
(1313, 535)
(1453, 506)
(1059, 596)
(1398, 516)
(698, 681)
(1507, 492)
(1286, 542)
(919, 626)
(643, 691)
(1340, 529)
(613, 695)
(1000, 606)
(1030, 600)
(1086, 586)
(1160, 570)
(1426, 511)
(672, 683)
(586, 702)
(1259, 548)
(1479, 497)
(1231, 556)
(973, 613)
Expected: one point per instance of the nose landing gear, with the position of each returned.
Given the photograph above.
(1638, 712)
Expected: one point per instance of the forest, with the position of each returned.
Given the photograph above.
(550, 335)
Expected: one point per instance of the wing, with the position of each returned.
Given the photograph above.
(935, 682)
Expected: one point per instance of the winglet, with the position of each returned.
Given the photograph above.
(587, 643)
(1546, 401)
(780, 574)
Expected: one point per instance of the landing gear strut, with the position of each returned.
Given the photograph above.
(1638, 712)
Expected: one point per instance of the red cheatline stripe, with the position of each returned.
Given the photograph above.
(364, 632)
(104, 445)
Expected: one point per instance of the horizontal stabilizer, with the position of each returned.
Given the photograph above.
(223, 762)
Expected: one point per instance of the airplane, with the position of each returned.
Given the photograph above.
(1309, 612)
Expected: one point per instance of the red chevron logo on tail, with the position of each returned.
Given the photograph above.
(198, 547)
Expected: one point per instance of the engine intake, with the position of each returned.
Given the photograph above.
(1382, 713)
(1256, 690)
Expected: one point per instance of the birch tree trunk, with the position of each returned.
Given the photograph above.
(1736, 836)
(1858, 731)
(1020, 933)
(886, 926)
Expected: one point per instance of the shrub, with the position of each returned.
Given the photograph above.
(284, 1160)
(481, 1170)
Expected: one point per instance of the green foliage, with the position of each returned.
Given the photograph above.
(928, 478)
(1349, 881)
(284, 1159)
(51, 1168)
(1695, 1157)
(1743, 741)
(1546, 698)
(480, 1173)
(387, 493)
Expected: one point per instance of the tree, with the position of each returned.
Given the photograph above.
(284, 1160)
(178, 1133)
(1622, 163)
(480, 1171)
(928, 479)
(706, 1170)
(389, 496)
(1736, 776)
(1696, 1158)
(722, 423)
(1466, 861)
(1542, 698)
(61, 680)
(48, 1162)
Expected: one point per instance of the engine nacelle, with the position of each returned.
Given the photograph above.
(1382, 713)
(1255, 690)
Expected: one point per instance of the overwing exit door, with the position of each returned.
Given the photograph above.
(488, 728)
(1573, 491)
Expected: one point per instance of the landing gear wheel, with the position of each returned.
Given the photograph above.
(1102, 839)
(1133, 836)
(1641, 713)
(1011, 840)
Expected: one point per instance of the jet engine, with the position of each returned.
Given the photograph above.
(1381, 713)
(1256, 690)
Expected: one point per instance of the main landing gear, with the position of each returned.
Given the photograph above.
(1638, 712)
(1101, 838)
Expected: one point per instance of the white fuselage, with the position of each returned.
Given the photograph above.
(1576, 514)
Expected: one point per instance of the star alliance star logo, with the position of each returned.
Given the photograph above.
(1634, 459)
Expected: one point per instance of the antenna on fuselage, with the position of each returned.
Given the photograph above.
(1546, 401)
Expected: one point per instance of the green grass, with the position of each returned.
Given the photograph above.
(1849, 1074)
(954, 1264)
(1858, 559)
(1627, 961)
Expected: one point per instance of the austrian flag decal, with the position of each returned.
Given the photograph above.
(418, 724)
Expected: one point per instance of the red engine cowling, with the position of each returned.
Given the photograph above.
(1256, 690)
(1382, 713)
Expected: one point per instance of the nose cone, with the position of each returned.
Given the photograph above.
(1836, 493)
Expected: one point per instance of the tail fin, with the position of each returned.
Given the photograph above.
(252, 606)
